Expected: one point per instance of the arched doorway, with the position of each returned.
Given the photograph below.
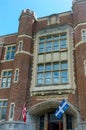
(47, 121)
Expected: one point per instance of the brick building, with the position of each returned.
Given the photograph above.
(43, 63)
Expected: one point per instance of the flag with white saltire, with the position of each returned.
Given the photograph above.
(64, 105)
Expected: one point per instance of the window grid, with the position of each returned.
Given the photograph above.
(52, 73)
(10, 53)
(52, 43)
(3, 108)
(6, 79)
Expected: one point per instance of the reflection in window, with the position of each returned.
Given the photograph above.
(48, 47)
(56, 77)
(10, 52)
(48, 78)
(3, 108)
(41, 48)
(52, 73)
(40, 78)
(52, 43)
(6, 79)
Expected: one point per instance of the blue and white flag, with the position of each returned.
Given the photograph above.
(61, 109)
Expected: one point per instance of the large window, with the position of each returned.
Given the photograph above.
(3, 108)
(52, 43)
(10, 52)
(52, 73)
(6, 79)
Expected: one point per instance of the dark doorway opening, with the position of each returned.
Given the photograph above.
(55, 126)
(54, 123)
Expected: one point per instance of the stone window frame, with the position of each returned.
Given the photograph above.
(6, 50)
(6, 76)
(11, 112)
(47, 57)
(16, 75)
(3, 106)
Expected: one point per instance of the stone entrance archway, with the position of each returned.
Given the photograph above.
(45, 107)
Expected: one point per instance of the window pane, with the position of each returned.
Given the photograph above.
(12, 55)
(3, 113)
(40, 81)
(42, 40)
(40, 78)
(64, 76)
(48, 67)
(41, 48)
(13, 48)
(40, 68)
(56, 66)
(48, 78)
(56, 46)
(64, 65)
(56, 78)
(5, 103)
(56, 37)
(5, 73)
(9, 73)
(48, 47)
(9, 48)
(3, 107)
(3, 85)
(1, 103)
(3, 82)
(63, 44)
(8, 56)
(63, 36)
(49, 38)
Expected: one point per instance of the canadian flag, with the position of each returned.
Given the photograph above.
(24, 112)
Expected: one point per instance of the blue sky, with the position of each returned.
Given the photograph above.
(10, 11)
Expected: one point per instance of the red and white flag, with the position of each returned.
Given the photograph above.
(24, 112)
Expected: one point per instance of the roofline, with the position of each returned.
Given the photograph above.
(7, 35)
(54, 14)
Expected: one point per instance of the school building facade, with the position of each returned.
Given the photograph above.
(42, 64)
